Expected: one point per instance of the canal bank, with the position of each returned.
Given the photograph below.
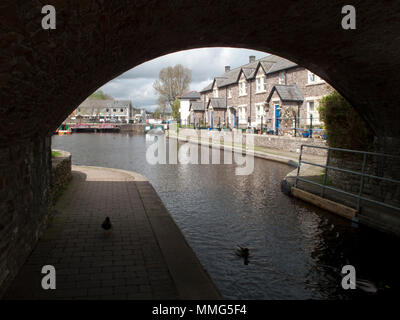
(291, 242)
(139, 260)
(371, 215)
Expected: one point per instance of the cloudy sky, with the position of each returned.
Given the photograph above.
(206, 63)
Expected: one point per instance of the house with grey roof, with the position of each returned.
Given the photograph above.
(197, 113)
(265, 92)
(185, 100)
(105, 110)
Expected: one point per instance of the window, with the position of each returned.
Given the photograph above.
(311, 106)
(282, 78)
(261, 84)
(215, 93)
(242, 88)
(121, 110)
(114, 110)
(242, 113)
(230, 93)
(313, 78)
(107, 110)
(259, 111)
(312, 110)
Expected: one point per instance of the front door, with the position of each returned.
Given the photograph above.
(276, 117)
(211, 120)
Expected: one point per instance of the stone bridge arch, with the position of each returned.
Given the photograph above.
(45, 74)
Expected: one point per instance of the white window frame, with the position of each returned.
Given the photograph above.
(242, 85)
(316, 79)
(215, 92)
(281, 78)
(261, 84)
(315, 113)
(260, 112)
(229, 93)
(242, 109)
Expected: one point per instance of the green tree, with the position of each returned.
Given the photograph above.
(344, 126)
(172, 82)
(175, 109)
(157, 113)
(100, 95)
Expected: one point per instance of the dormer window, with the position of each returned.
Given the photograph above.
(261, 84)
(242, 88)
(282, 78)
(215, 92)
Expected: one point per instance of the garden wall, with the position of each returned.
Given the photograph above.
(282, 143)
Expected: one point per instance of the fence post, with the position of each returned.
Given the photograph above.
(326, 172)
(298, 168)
(361, 181)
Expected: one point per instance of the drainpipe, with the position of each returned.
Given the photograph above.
(250, 103)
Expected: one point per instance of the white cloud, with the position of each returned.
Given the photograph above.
(205, 63)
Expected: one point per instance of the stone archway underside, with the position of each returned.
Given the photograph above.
(45, 74)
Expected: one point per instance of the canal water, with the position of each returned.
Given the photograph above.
(296, 250)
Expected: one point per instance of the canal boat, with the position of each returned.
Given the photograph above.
(63, 129)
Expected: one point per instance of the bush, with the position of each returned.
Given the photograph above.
(344, 126)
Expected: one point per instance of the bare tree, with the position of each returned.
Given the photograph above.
(172, 82)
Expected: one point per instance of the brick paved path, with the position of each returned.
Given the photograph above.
(128, 264)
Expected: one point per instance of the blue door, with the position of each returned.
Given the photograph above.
(211, 119)
(234, 118)
(276, 116)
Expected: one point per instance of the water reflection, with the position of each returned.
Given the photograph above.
(296, 249)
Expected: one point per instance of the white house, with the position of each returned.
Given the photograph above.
(185, 101)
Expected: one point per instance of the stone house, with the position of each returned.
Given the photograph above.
(271, 91)
(106, 110)
(197, 113)
(185, 101)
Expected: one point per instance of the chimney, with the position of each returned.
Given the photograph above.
(252, 59)
(227, 68)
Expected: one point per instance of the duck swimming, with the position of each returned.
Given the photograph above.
(107, 226)
(244, 253)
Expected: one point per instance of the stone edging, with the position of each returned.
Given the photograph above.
(60, 172)
(258, 154)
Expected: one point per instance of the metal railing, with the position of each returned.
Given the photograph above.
(361, 173)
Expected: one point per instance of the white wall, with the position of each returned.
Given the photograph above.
(184, 110)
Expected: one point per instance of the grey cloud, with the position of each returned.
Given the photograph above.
(137, 83)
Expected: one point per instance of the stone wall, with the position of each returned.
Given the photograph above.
(60, 173)
(383, 191)
(283, 143)
(133, 127)
(25, 179)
